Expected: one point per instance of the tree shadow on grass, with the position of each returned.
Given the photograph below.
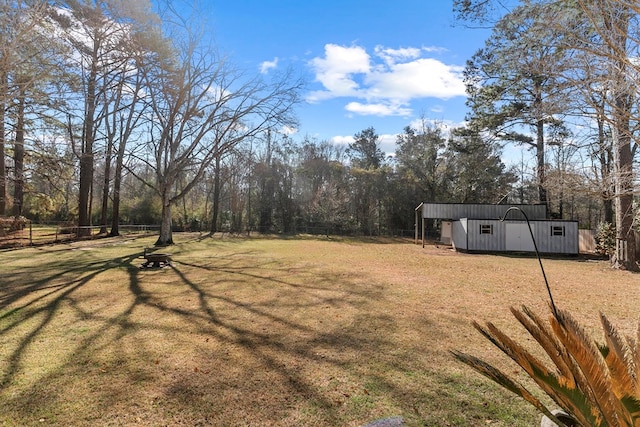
(228, 340)
(44, 297)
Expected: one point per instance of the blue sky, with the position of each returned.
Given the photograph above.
(374, 63)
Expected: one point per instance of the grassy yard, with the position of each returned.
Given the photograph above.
(268, 331)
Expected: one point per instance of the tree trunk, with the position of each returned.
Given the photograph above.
(216, 196)
(105, 188)
(608, 210)
(542, 190)
(166, 237)
(3, 170)
(266, 191)
(18, 158)
(625, 256)
(625, 238)
(605, 157)
(117, 182)
(86, 157)
(86, 176)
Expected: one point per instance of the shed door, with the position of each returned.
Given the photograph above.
(445, 232)
(519, 238)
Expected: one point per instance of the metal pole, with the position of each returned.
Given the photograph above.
(415, 226)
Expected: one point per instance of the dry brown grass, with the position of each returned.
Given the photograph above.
(272, 331)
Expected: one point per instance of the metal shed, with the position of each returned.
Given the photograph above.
(490, 235)
(484, 228)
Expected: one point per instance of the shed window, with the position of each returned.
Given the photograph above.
(557, 230)
(486, 229)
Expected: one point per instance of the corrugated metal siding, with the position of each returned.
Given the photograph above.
(459, 234)
(567, 244)
(480, 211)
(486, 242)
(496, 242)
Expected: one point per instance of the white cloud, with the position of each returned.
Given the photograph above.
(421, 78)
(268, 65)
(435, 49)
(335, 71)
(383, 84)
(391, 56)
(341, 140)
(377, 109)
(288, 130)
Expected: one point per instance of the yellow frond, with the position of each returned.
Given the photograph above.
(635, 350)
(592, 364)
(619, 360)
(548, 341)
(544, 377)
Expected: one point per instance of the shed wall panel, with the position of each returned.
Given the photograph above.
(518, 236)
(493, 242)
(565, 244)
(542, 231)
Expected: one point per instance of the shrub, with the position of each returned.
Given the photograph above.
(10, 224)
(605, 238)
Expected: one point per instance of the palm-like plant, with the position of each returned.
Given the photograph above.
(598, 385)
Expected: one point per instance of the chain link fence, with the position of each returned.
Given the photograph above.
(33, 234)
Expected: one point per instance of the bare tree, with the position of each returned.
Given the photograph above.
(615, 24)
(21, 43)
(98, 34)
(127, 117)
(201, 107)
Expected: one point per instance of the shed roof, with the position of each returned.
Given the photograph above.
(456, 211)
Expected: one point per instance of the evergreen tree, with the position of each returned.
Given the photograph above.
(515, 82)
(480, 175)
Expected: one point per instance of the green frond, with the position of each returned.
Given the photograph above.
(632, 405)
(569, 399)
(572, 400)
(599, 385)
(568, 368)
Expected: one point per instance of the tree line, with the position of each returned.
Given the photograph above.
(124, 112)
(561, 76)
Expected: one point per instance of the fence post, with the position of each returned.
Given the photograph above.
(621, 250)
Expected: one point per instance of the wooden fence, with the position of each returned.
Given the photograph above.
(587, 242)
